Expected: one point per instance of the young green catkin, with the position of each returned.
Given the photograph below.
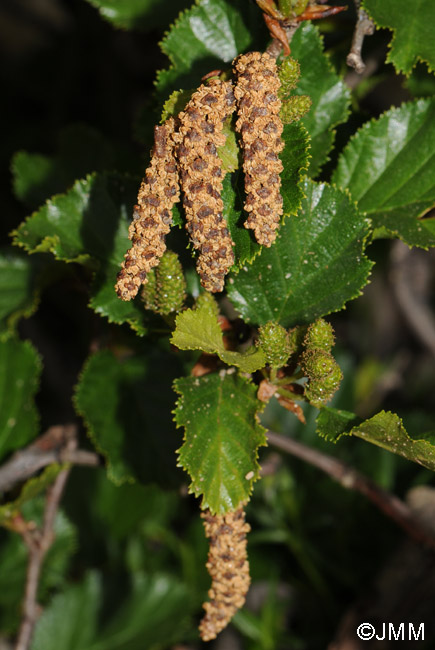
(260, 128)
(229, 570)
(199, 136)
(152, 215)
(165, 290)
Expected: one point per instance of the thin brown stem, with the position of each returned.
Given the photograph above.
(350, 478)
(364, 27)
(38, 541)
(51, 447)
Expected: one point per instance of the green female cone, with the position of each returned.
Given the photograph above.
(166, 288)
(320, 335)
(324, 376)
(273, 339)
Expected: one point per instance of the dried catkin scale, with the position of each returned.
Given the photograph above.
(229, 569)
(260, 128)
(152, 215)
(199, 136)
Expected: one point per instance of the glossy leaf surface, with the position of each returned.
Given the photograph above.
(222, 436)
(388, 167)
(412, 26)
(315, 266)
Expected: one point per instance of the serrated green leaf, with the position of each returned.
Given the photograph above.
(222, 436)
(144, 15)
(18, 288)
(199, 329)
(20, 368)
(315, 266)
(385, 430)
(71, 619)
(81, 150)
(389, 168)
(329, 94)
(412, 24)
(207, 37)
(295, 157)
(89, 225)
(30, 490)
(126, 405)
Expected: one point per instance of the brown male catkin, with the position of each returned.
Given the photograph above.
(199, 135)
(152, 216)
(260, 128)
(229, 570)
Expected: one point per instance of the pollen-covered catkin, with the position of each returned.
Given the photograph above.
(199, 136)
(152, 215)
(228, 567)
(260, 127)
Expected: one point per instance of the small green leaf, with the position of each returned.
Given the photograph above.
(143, 15)
(199, 329)
(89, 225)
(20, 368)
(209, 36)
(315, 266)
(329, 95)
(222, 434)
(126, 404)
(385, 430)
(412, 24)
(18, 288)
(389, 168)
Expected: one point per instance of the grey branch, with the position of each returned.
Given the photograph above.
(38, 541)
(51, 447)
(364, 27)
(351, 479)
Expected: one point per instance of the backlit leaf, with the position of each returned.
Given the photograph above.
(199, 329)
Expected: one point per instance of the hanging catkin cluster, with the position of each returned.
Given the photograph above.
(186, 147)
(260, 127)
(152, 216)
(199, 135)
(228, 567)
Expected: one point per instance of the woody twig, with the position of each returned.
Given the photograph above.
(38, 541)
(51, 447)
(364, 27)
(350, 478)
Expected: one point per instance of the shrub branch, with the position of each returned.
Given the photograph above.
(351, 479)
